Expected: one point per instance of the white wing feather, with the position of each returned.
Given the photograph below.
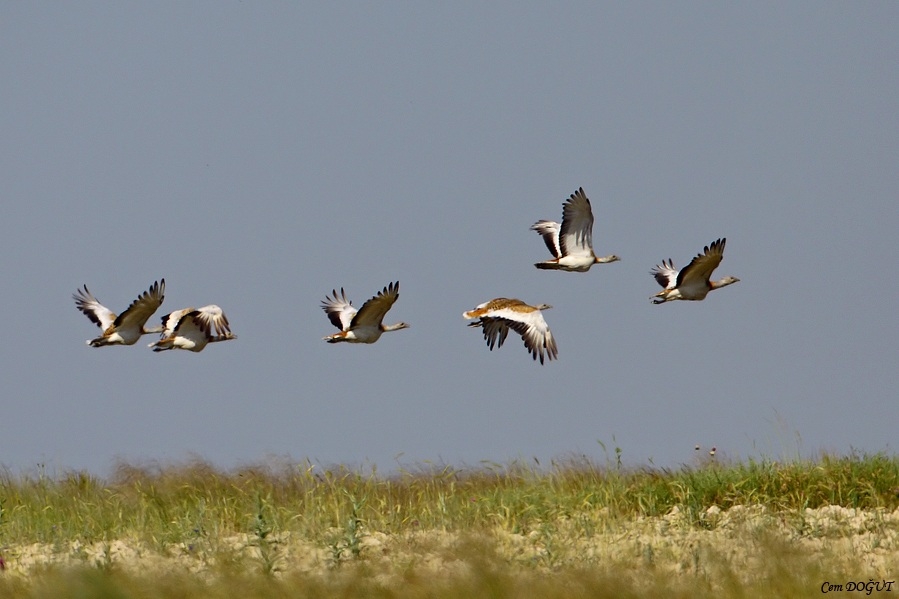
(576, 236)
(549, 230)
(340, 311)
(99, 314)
(211, 320)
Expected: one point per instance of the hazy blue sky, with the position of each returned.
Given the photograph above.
(258, 155)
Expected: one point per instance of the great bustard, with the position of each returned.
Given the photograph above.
(571, 243)
(127, 327)
(499, 315)
(364, 325)
(693, 281)
(193, 330)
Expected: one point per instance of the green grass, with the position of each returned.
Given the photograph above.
(574, 529)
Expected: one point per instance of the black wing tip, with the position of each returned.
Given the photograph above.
(580, 193)
(551, 353)
(334, 297)
(718, 245)
(391, 289)
(157, 289)
(82, 294)
(660, 277)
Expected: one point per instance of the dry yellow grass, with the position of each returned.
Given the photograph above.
(575, 530)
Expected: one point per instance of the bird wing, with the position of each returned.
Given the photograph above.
(701, 267)
(549, 230)
(143, 307)
(170, 321)
(98, 314)
(191, 327)
(576, 236)
(340, 311)
(534, 331)
(495, 330)
(372, 312)
(665, 274)
(211, 320)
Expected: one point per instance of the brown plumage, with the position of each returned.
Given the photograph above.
(364, 325)
(193, 330)
(571, 243)
(693, 282)
(127, 327)
(499, 315)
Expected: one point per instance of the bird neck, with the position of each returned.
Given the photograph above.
(721, 283)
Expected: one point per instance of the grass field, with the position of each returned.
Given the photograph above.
(571, 529)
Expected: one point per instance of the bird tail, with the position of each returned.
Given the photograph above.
(162, 345)
(547, 265)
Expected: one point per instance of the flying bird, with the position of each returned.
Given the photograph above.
(499, 315)
(692, 282)
(571, 243)
(193, 330)
(364, 325)
(127, 327)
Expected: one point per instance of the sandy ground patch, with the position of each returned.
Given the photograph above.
(739, 539)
